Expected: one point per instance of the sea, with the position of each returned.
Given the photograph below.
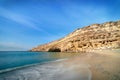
(17, 59)
(25, 65)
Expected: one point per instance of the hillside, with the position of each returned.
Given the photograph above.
(95, 36)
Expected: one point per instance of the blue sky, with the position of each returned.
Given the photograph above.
(28, 23)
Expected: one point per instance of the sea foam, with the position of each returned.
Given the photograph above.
(49, 71)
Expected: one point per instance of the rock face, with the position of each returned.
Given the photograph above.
(95, 36)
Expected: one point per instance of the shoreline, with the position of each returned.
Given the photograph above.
(29, 65)
(97, 65)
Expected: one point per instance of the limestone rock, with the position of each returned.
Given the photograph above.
(95, 36)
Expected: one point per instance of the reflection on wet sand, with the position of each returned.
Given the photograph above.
(97, 65)
(104, 65)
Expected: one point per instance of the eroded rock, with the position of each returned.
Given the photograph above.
(95, 36)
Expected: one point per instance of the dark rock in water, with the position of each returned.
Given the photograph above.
(95, 36)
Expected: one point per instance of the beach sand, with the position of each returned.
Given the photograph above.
(100, 64)
(97, 65)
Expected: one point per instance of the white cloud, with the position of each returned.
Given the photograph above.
(18, 18)
(11, 46)
(86, 14)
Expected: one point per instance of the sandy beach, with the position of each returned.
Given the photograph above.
(97, 65)
(100, 64)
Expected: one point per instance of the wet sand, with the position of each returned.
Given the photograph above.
(100, 64)
(97, 65)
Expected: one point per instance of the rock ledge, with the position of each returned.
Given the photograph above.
(95, 36)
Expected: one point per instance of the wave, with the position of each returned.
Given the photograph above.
(49, 71)
(29, 65)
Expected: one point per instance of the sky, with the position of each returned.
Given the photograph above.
(28, 23)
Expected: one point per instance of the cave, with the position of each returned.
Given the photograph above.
(54, 50)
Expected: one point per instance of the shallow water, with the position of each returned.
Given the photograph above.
(99, 65)
(13, 59)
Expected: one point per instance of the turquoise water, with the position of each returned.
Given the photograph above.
(12, 59)
(48, 66)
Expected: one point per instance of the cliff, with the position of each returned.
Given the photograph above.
(95, 36)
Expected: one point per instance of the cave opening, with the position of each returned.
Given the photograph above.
(54, 50)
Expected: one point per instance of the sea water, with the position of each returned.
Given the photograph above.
(99, 65)
(14, 59)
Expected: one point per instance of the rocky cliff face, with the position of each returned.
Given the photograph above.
(95, 36)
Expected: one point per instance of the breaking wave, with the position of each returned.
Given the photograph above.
(48, 71)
